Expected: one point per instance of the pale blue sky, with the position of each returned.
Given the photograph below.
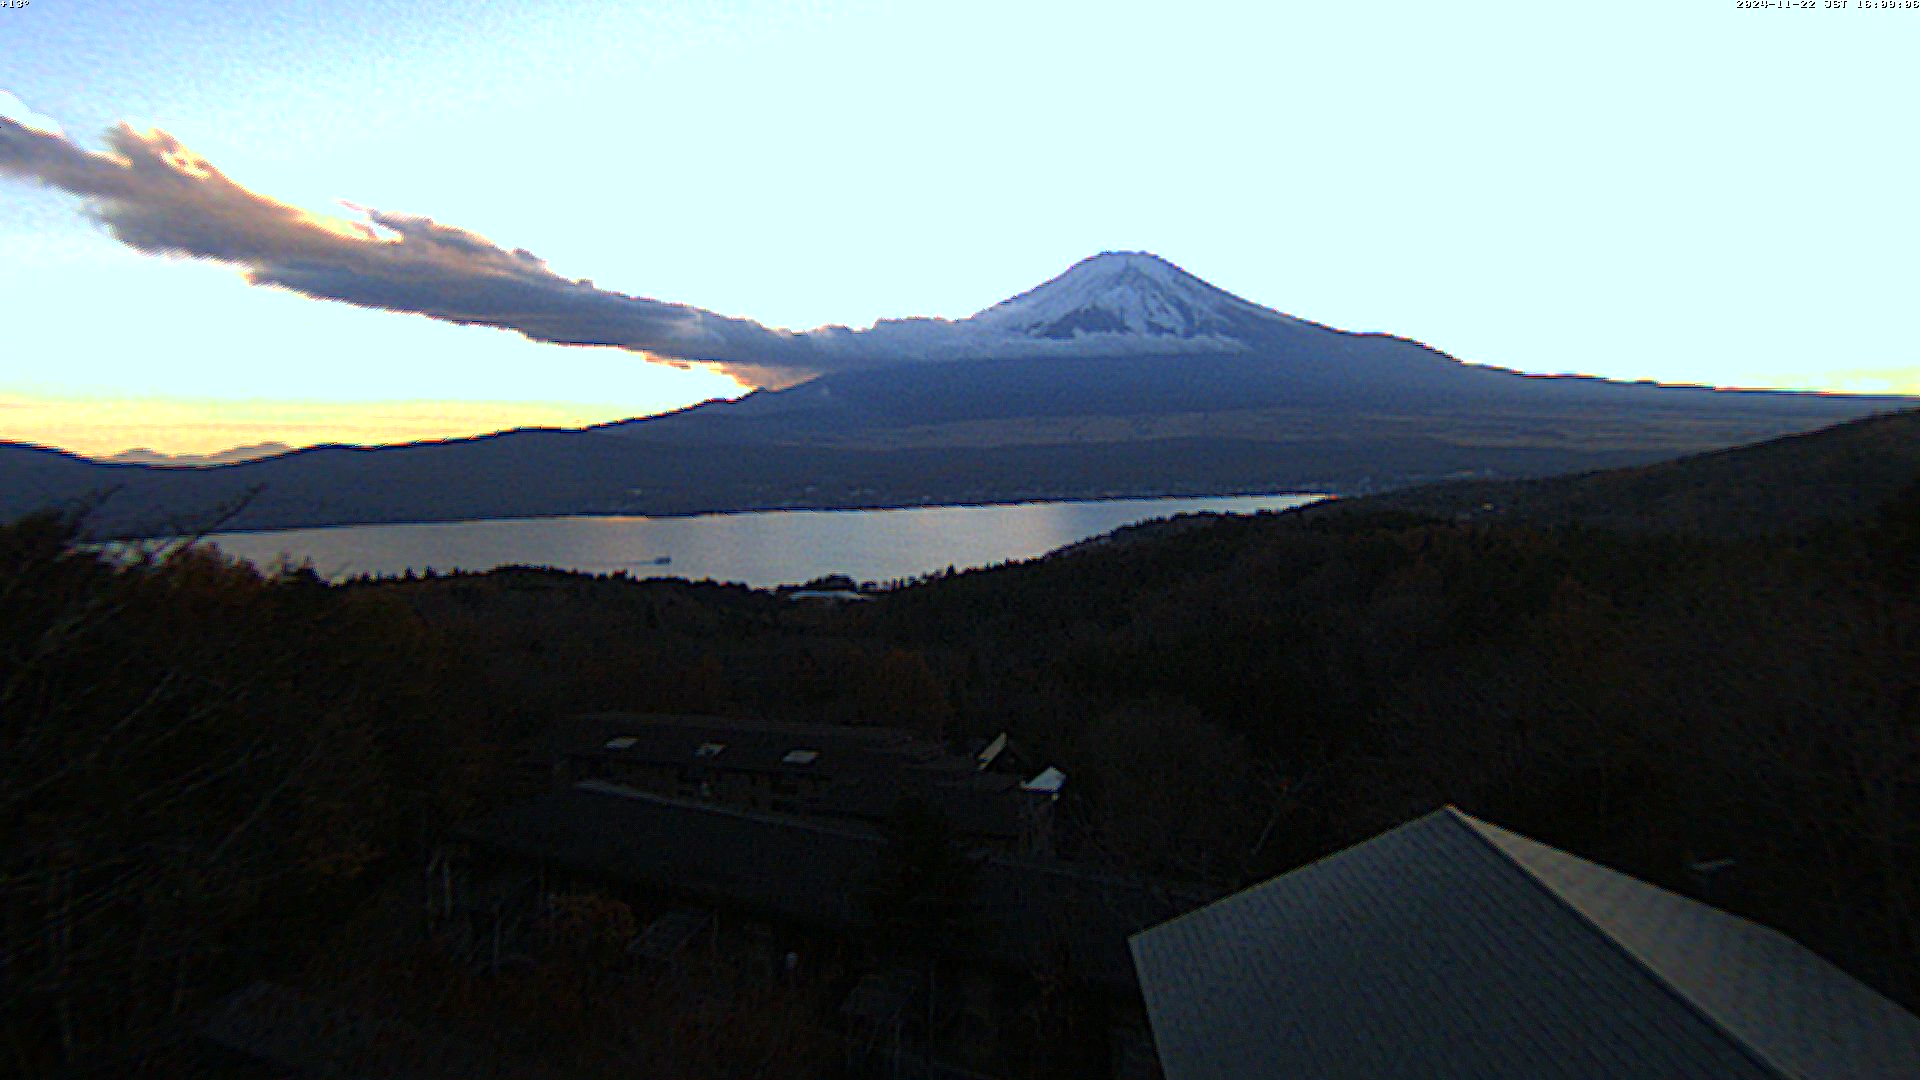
(1681, 191)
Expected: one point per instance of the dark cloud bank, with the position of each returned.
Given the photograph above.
(158, 197)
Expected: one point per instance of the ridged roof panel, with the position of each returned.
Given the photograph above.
(1449, 948)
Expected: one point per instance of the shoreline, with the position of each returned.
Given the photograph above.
(864, 508)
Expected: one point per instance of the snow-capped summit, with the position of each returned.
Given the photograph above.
(1121, 292)
(1118, 303)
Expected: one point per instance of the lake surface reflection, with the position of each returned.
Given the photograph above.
(760, 549)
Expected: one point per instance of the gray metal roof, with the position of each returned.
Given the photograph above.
(1449, 947)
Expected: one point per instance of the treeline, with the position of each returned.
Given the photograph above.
(200, 769)
(1237, 696)
(1234, 697)
(210, 774)
(1241, 697)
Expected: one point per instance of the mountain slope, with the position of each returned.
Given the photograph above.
(1787, 485)
(534, 474)
(1132, 293)
(1123, 376)
(1131, 335)
(231, 456)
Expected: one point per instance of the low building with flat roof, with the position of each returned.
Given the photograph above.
(1033, 927)
(839, 772)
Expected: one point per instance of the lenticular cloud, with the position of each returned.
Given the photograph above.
(155, 195)
(12, 108)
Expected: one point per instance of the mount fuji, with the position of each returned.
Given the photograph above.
(1123, 376)
(1129, 334)
(1115, 302)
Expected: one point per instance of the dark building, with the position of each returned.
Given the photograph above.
(1037, 937)
(831, 772)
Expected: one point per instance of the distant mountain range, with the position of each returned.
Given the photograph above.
(1123, 376)
(235, 455)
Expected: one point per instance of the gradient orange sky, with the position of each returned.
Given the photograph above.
(1682, 192)
(107, 425)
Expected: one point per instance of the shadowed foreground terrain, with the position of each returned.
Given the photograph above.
(215, 778)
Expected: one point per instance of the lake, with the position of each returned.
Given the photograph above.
(759, 549)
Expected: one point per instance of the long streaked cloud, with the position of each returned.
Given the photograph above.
(155, 195)
(12, 108)
(158, 197)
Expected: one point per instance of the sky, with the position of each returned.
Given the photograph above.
(1682, 191)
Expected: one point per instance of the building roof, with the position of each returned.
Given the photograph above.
(866, 771)
(751, 745)
(1449, 947)
(1031, 913)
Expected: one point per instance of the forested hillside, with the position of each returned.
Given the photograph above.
(204, 769)
(213, 776)
(1239, 695)
(1781, 486)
